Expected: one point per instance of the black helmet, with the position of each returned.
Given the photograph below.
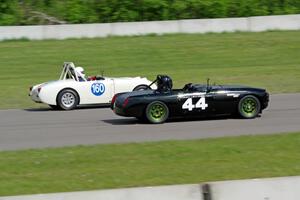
(164, 83)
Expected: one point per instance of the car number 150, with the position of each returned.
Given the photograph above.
(188, 104)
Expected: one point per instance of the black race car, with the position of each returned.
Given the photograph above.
(193, 100)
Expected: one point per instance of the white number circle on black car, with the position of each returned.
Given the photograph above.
(188, 104)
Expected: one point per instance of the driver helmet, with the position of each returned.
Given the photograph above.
(164, 83)
(80, 71)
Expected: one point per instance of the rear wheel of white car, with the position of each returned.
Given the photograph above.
(67, 99)
(142, 87)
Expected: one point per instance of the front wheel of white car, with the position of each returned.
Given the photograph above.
(67, 99)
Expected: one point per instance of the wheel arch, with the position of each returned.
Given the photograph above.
(141, 85)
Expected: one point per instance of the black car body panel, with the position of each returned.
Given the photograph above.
(193, 100)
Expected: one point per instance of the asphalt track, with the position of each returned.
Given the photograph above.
(39, 128)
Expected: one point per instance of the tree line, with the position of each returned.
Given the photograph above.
(30, 12)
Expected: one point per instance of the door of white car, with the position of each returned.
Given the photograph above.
(95, 92)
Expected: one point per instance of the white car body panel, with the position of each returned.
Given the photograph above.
(89, 92)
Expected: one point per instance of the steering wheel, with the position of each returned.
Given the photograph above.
(187, 87)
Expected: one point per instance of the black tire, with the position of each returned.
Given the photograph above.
(141, 87)
(67, 99)
(249, 107)
(157, 112)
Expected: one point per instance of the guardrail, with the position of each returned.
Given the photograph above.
(284, 188)
(249, 24)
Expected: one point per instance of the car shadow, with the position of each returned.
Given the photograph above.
(126, 121)
(47, 109)
(134, 121)
(92, 107)
(38, 109)
(192, 119)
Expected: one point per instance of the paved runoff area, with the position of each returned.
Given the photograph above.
(39, 128)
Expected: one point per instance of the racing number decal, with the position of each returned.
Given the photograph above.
(98, 89)
(188, 104)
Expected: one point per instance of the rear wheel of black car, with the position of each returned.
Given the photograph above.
(157, 112)
(249, 107)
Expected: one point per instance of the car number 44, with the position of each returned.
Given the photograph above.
(188, 104)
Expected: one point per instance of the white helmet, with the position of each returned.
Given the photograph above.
(80, 71)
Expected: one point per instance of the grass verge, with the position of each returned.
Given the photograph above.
(148, 164)
(269, 60)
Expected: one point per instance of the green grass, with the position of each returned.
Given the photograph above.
(148, 164)
(270, 60)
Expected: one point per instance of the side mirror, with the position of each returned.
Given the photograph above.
(208, 87)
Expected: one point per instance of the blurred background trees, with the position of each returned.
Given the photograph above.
(26, 12)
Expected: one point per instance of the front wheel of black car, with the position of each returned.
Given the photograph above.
(249, 107)
(157, 112)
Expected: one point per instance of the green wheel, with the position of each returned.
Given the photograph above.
(249, 107)
(157, 112)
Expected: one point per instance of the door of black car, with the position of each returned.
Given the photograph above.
(194, 104)
(223, 102)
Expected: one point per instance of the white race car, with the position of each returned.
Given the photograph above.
(73, 88)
